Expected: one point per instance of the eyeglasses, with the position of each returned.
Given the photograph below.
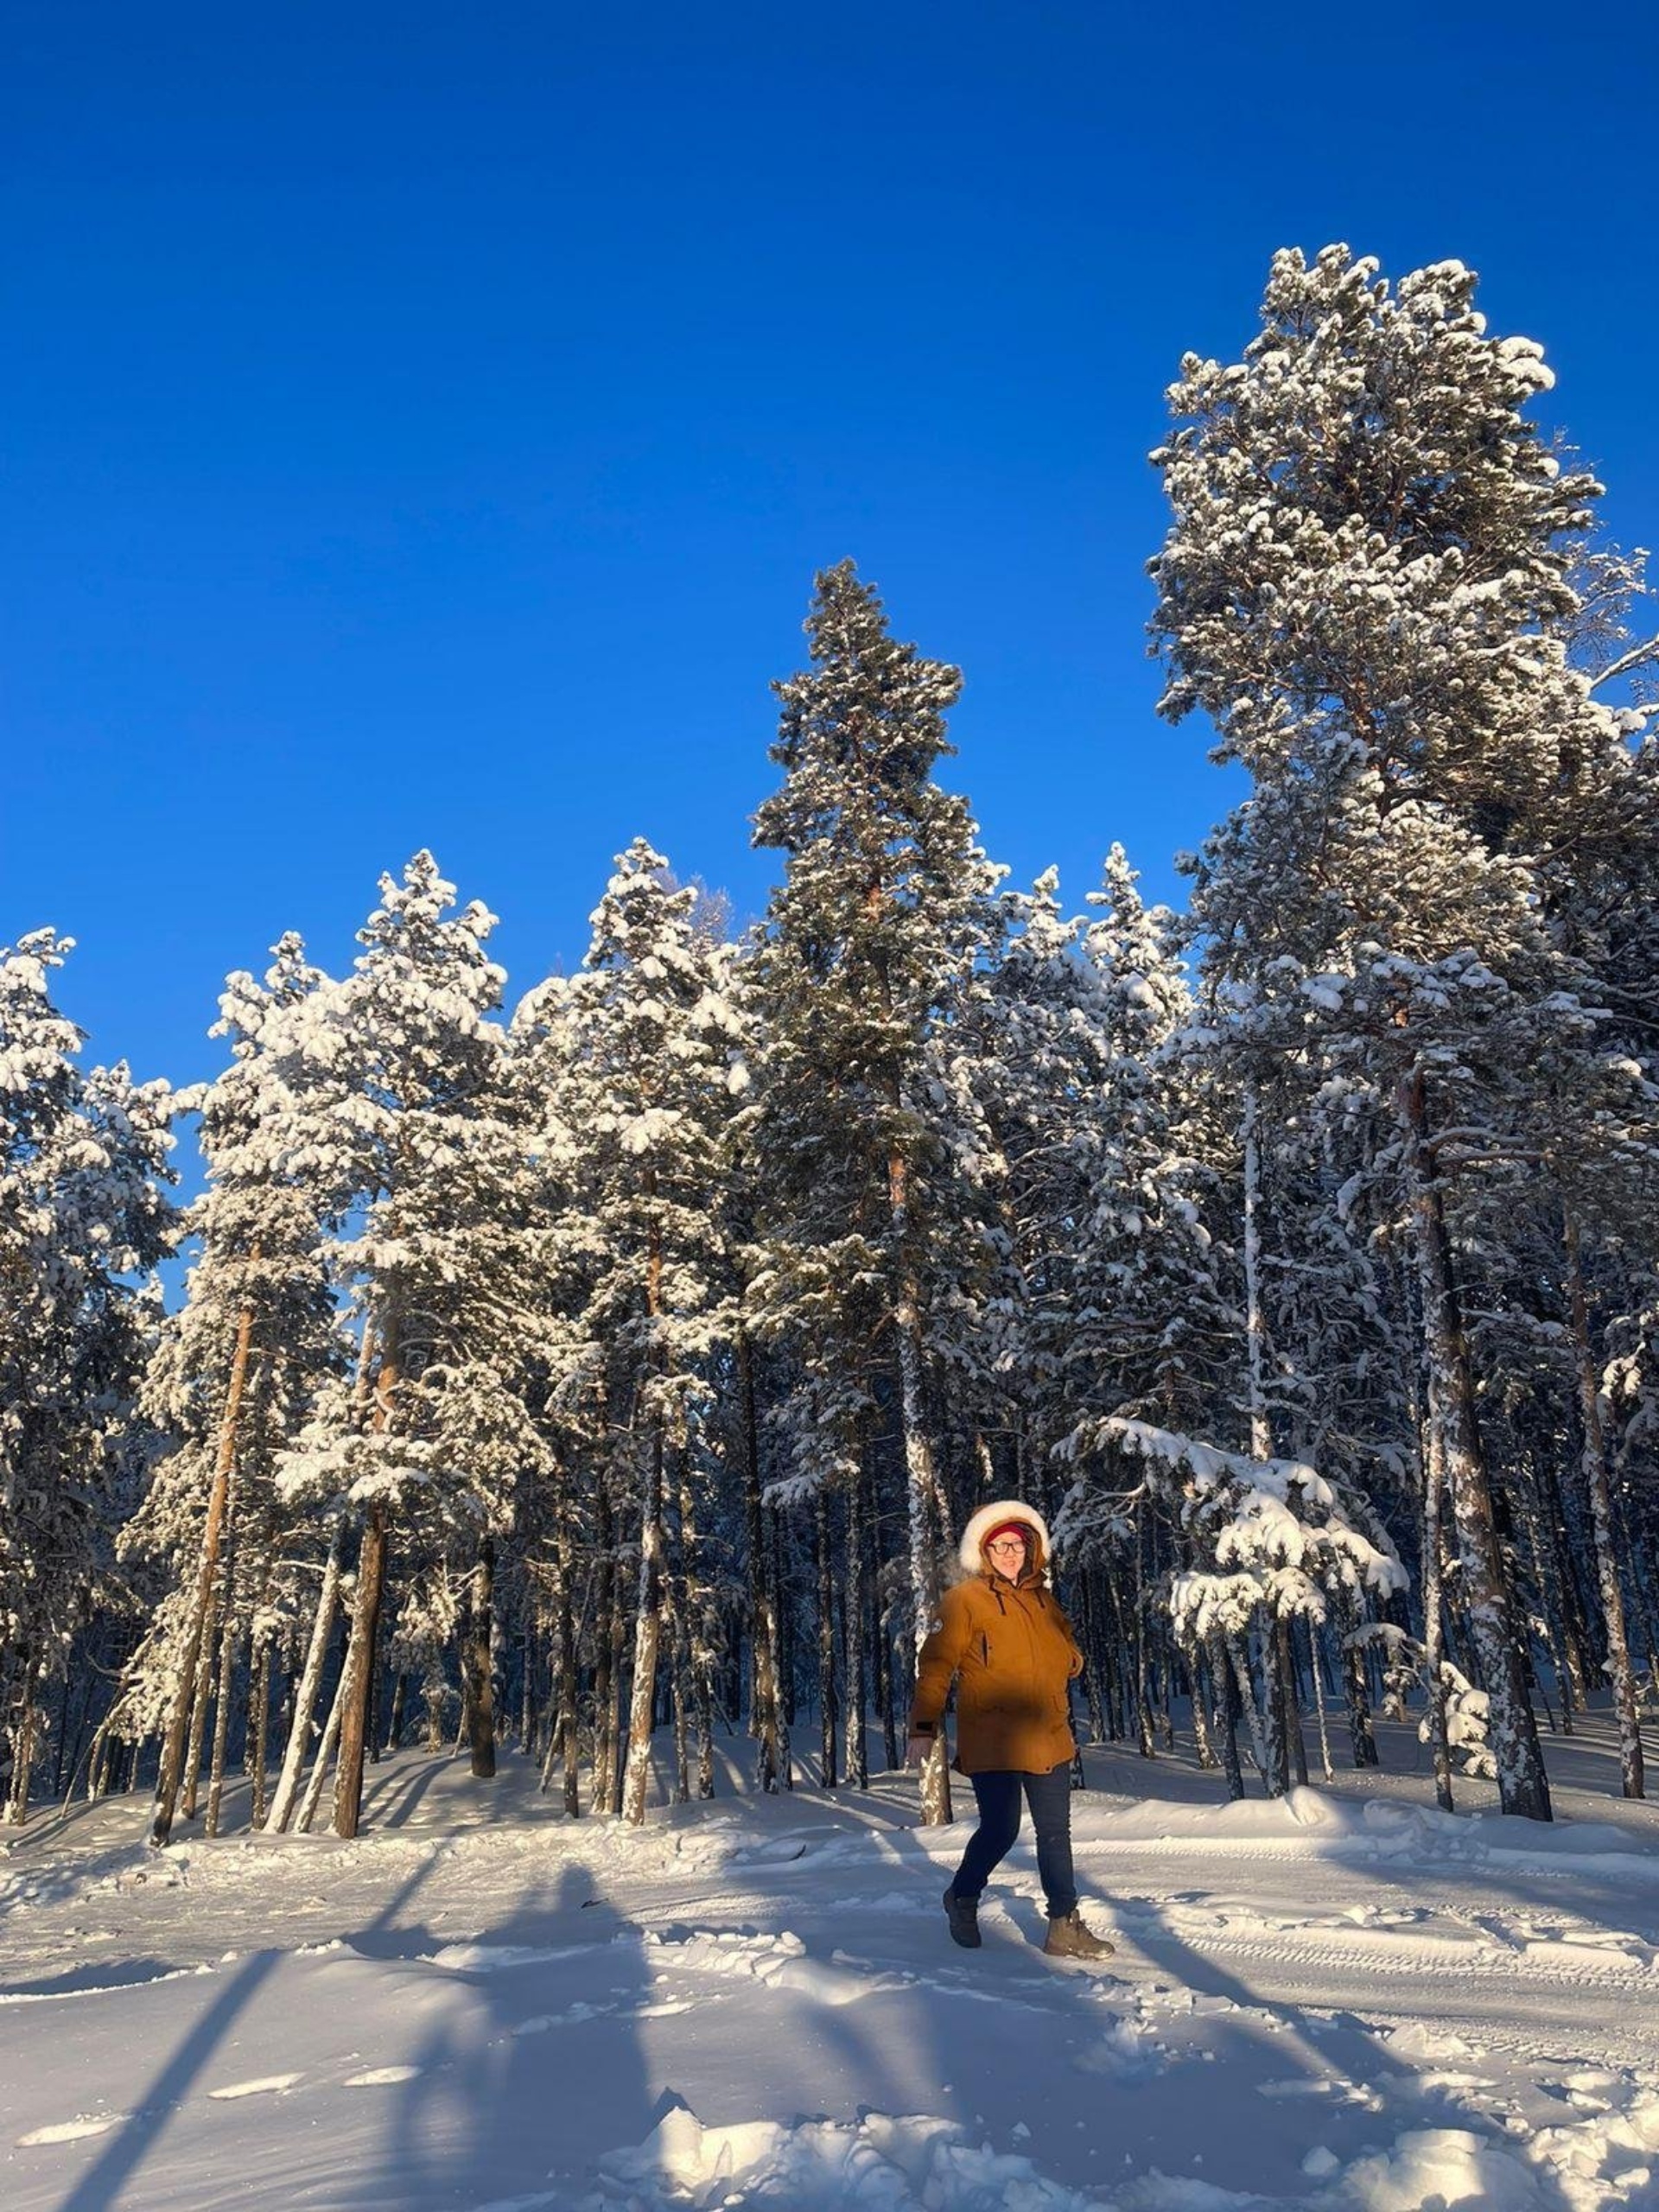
(1007, 1544)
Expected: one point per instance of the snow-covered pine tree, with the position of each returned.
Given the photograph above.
(1107, 1298)
(885, 908)
(83, 1157)
(654, 1065)
(1368, 586)
(234, 1374)
(419, 1140)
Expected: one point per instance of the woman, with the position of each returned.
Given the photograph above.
(1012, 1650)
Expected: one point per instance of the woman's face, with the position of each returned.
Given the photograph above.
(1007, 1553)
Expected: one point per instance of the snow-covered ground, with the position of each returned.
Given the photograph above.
(1342, 2001)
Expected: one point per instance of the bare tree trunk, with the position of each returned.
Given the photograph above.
(764, 1715)
(199, 1713)
(924, 1498)
(1326, 1767)
(259, 1734)
(1261, 1750)
(697, 1657)
(353, 1699)
(1523, 1785)
(23, 1741)
(229, 1639)
(1090, 1609)
(1361, 1735)
(852, 1625)
(647, 1630)
(399, 1717)
(1148, 1747)
(1296, 1749)
(325, 1758)
(607, 1719)
(1619, 1669)
(179, 1721)
(480, 1678)
(1221, 1683)
(828, 1776)
(783, 1639)
(1434, 1614)
(567, 1729)
(1255, 1328)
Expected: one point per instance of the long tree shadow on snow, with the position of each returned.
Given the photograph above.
(101, 2186)
(1284, 2081)
(532, 2064)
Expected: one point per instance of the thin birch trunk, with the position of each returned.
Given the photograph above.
(924, 1497)
(325, 1758)
(230, 1638)
(357, 1676)
(179, 1721)
(647, 1630)
(763, 1703)
(1619, 1669)
(828, 1776)
(852, 1621)
(305, 1693)
(607, 1709)
(1260, 1749)
(1361, 1735)
(1148, 1744)
(1296, 1749)
(199, 1713)
(1326, 1767)
(399, 1716)
(698, 1655)
(1549, 1606)
(1434, 1615)
(1255, 1321)
(679, 1703)
(259, 1733)
(567, 1728)
(481, 1673)
(1226, 1712)
(23, 1740)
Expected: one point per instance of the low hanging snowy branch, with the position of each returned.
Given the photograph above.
(1269, 1533)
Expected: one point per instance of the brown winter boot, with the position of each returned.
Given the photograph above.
(1069, 1939)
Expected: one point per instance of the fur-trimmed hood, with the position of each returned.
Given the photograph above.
(969, 1554)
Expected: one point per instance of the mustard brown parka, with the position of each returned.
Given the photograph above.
(1012, 1651)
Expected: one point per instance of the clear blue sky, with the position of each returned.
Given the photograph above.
(423, 423)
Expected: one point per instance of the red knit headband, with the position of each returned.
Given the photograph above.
(1019, 1527)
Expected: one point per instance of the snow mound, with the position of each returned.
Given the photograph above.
(877, 2163)
(1445, 2166)
(1611, 2156)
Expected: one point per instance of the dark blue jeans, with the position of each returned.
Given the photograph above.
(1049, 1796)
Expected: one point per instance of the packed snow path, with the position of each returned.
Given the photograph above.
(1343, 2001)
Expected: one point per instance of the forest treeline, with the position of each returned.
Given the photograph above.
(629, 1356)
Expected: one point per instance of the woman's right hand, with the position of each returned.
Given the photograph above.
(917, 1750)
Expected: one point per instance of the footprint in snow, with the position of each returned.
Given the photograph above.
(381, 2077)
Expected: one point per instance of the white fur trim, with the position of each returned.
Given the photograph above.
(987, 1517)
